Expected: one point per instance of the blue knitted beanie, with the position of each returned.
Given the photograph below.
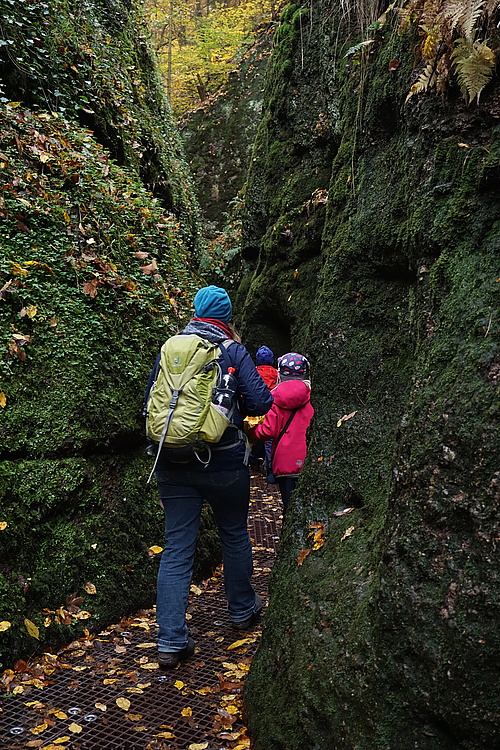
(213, 302)
(264, 356)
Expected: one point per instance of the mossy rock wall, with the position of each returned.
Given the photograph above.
(384, 637)
(98, 265)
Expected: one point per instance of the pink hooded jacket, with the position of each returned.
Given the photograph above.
(288, 457)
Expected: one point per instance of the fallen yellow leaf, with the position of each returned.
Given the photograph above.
(90, 588)
(60, 715)
(110, 680)
(18, 690)
(241, 642)
(82, 615)
(155, 549)
(346, 417)
(4, 625)
(39, 728)
(347, 533)
(31, 311)
(170, 736)
(32, 628)
(101, 706)
(17, 270)
(3, 400)
(198, 746)
(179, 684)
(187, 711)
(75, 728)
(195, 590)
(134, 717)
(60, 740)
(146, 645)
(123, 703)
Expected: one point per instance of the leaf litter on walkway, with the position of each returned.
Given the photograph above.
(111, 680)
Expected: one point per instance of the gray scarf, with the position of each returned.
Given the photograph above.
(206, 330)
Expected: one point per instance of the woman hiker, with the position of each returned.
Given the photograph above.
(224, 483)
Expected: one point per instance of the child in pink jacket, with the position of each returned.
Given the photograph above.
(287, 421)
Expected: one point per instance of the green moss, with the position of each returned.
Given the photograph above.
(288, 13)
(373, 639)
(78, 514)
(99, 249)
(299, 16)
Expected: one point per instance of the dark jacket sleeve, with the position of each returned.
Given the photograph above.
(152, 377)
(254, 397)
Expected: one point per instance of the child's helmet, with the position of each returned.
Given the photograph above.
(293, 365)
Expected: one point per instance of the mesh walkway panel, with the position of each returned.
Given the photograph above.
(107, 691)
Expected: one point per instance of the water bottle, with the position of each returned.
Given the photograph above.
(223, 395)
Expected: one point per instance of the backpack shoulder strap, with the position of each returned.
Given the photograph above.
(285, 428)
(224, 346)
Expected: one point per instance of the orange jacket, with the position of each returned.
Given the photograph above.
(269, 375)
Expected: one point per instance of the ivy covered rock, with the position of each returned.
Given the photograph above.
(98, 265)
(372, 224)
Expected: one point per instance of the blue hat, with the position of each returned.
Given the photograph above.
(213, 302)
(264, 356)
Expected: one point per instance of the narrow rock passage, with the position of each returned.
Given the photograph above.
(107, 692)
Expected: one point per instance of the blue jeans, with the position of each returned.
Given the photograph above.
(183, 492)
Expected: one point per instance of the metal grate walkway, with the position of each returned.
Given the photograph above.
(106, 692)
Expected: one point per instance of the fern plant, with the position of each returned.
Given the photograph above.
(474, 62)
(441, 52)
(464, 15)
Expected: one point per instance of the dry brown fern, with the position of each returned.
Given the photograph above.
(463, 15)
(441, 22)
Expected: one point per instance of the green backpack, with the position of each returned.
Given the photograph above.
(180, 415)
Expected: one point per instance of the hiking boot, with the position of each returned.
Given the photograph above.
(170, 659)
(252, 619)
